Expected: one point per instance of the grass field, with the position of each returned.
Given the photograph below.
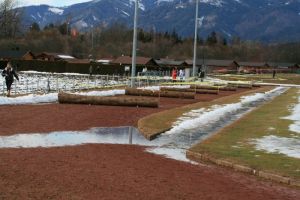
(233, 143)
(265, 78)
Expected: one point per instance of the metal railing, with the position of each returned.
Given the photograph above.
(41, 82)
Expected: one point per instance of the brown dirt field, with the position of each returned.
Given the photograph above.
(112, 171)
(122, 172)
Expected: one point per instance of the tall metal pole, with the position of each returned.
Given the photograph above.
(134, 45)
(195, 39)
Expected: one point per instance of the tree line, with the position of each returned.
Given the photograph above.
(116, 40)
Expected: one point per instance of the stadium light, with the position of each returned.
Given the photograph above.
(195, 39)
(134, 44)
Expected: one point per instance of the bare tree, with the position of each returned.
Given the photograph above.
(9, 18)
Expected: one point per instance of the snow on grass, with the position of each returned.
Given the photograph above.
(53, 97)
(203, 117)
(295, 127)
(156, 88)
(29, 99)
(282, 145)
(102, 93)
(176, 154)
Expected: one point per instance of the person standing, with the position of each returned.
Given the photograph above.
(181, 75)
(9, 74)
(174, 75)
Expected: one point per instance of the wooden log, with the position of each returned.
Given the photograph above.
(228, 88)
(206, 87)
(202, 91)
(240, 85)
(198, 91)
(66, 98)
(168, 94)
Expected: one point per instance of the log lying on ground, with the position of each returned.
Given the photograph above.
(256, 85)
(203, 91)
(66, 98)
(228, 88)
(205, 87)
(241, 85)
(169, 94)
(198, 91)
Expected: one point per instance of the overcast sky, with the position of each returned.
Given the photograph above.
(50, 2)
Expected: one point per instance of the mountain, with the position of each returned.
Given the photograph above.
(264, 20)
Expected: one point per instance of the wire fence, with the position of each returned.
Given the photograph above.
(41, 82)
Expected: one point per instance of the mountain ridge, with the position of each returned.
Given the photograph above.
(263, 20)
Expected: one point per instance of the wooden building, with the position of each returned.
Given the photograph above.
(141, 63)
(216, 66)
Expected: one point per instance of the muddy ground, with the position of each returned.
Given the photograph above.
(111, 171)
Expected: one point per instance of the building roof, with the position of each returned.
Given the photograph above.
(127, 60)
(209, 62)
(253, 64)
(282, 65)
(171, 62)
(13, 54)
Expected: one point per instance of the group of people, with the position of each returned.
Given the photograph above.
(179, 73)
(9, 74)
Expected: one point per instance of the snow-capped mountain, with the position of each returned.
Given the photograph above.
(266, 20)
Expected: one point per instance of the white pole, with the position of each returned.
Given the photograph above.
(195, 39)
(134, 45)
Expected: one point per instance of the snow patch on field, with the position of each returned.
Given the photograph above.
(156, 88)
(176, 154)
(203, 117)
(29, 99)
(282, 145)
(295, 116)
(53, 97)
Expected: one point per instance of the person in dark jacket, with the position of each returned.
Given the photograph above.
(9, 74)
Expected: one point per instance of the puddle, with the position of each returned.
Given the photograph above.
(119, 135)
(172, 145)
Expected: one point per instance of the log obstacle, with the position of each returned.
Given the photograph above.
(168, 94)
(227, 88)
(240, 85)
(66, 98)
(205, 87)
(198, 91)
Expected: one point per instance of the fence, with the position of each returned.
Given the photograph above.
(43, 82)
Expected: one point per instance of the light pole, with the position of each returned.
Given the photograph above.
(134, 44)
(195, 39)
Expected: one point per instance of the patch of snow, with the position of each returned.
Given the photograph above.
(176, 154)
(282, 145)
(57, 11)
(217, 3)
(53, 97)
(125, 13)
(33, 17)
(202, 117)
(66, 57)
(295, 116)
(156, 88)
(29, 99)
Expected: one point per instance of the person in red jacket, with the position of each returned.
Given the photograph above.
(174, 75)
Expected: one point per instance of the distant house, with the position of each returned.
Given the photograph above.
(141, 63)
(216, 66)
(16, 55)
(54, 57)
(171, 63)
(255, 67)
(285, 67)
(104, 61)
